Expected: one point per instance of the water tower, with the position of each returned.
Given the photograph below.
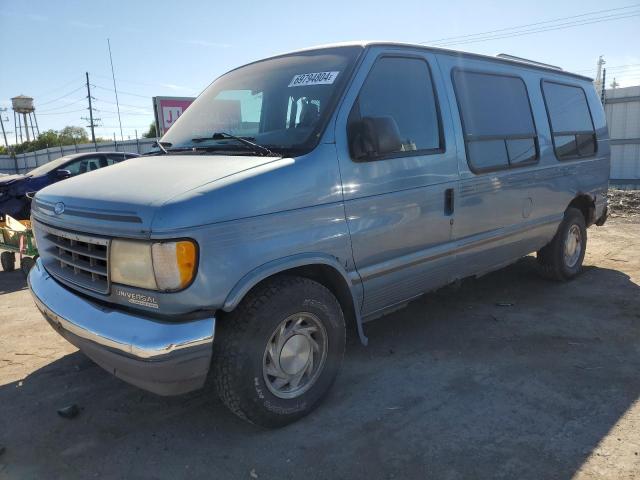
(23, 107)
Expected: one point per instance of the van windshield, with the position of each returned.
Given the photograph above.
(281, 103)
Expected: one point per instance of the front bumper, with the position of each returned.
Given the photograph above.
(163, 357)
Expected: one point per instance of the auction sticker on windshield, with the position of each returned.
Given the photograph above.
(318, 78)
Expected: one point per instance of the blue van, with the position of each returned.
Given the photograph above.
(305, 194)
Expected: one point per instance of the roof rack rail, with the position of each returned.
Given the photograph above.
(526, 60)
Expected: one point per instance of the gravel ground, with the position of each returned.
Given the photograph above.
(453, 386)
(624, 203)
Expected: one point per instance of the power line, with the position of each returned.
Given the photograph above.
(125, 104)
(628, 67)
(440, 40)
(549, 29)
(53, 90)
(61, 107)
(62, 113)
(487, 36)
(122, 92)
(63, 96)
(133, 82)
(128, 112)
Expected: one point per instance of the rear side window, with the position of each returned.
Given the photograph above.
(570, 120)
(497, 120)
(400, 88)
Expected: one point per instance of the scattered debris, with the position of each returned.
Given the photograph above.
(70, 411)
(624, 202)
(505, 304)
(253, 473)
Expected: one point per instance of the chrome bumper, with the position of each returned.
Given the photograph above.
(162, 357)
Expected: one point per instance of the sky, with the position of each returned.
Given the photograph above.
(177, 48)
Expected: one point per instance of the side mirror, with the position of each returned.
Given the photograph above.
(62, 174)
(372, 137)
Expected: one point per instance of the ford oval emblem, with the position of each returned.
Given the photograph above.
(59, 208)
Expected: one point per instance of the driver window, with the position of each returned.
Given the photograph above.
(82, 165)
(77, 167)
(400, 90)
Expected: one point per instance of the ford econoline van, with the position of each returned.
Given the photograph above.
(302, 195)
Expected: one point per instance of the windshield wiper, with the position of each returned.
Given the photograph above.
(161, 147)
(244, 140)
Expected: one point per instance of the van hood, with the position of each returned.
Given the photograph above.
(123, 198)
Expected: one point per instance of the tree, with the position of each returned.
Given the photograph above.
(70, 135)
(51, 138)
(151, 133)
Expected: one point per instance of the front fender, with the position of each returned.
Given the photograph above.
(251, 279)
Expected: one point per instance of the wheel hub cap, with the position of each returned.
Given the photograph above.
(573, 246)
(295, 354)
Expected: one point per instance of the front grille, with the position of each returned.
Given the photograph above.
(76, 258)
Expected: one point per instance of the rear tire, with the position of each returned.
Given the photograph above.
(278, 353)
(8, 261)
(561, 259)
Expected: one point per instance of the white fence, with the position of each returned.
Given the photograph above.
(622, 107)
(24, 162)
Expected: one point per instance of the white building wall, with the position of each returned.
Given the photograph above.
(622, 107)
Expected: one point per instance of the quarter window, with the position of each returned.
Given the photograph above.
(570, 119)
(400, 90)
(497, 120)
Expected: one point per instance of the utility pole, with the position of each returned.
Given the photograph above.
(598, 81)
(115, 90)
(4, 133)
(604, 86)
(17, 127)
(91, 122)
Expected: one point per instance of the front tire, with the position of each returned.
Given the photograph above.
(561, 259)
(26, 264)
(278, 353)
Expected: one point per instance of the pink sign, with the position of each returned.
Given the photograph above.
(168, 110)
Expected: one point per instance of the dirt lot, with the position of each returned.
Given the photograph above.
(454, 386)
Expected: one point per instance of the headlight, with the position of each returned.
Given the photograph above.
(153, 265)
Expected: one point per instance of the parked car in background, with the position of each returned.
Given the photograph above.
(308, 193)
(16, 190)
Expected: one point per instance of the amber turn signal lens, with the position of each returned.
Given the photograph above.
(186, 261)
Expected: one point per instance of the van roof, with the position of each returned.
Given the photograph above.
(501, 58)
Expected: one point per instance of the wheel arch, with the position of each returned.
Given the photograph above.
(587, 205)
(324, 269)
